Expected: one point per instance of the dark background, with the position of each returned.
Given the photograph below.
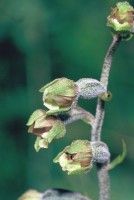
(41, 40)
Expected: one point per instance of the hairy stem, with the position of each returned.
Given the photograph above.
(100, 110)
(75, 114)
(103, 176)
(104, 182)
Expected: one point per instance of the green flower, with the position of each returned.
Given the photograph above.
(47, 128)
(121, 20)
(59, 95)
(76, 158)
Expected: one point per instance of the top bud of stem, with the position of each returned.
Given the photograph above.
(121, 20)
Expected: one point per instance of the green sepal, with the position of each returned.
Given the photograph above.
(61, 86)
(56, 159)
(124, 7)
(79, 146)
(47, 85)
(57, 131)
(119, 27)
(58, 111)
(36, 114)
(82, 170)
(36, 144)
(40, 143)
(76, 147)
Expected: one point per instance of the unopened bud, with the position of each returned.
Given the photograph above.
(107, 96)
(59, 95)
(121, 20)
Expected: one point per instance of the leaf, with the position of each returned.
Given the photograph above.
(119, 159)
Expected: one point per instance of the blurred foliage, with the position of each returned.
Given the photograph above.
(42, 40)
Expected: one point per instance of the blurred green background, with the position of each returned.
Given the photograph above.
(41, 40)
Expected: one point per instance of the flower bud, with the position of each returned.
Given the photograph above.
(59, 95)
(45, 127)
(76, 158)
(80, 155)
(121, 20)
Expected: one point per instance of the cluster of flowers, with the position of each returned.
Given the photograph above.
(61, 96)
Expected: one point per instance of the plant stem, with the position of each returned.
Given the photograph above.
(75, 114)
(103, 175)
(100, 110)
(104, 182)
